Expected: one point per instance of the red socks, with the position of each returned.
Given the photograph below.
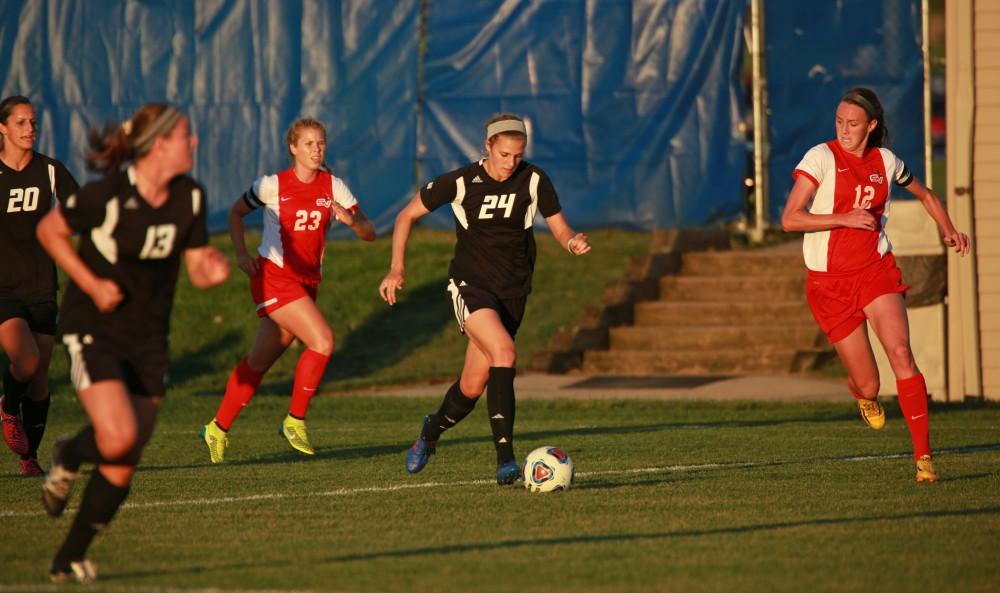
(308, 376)
(913, 403)
(240, 388)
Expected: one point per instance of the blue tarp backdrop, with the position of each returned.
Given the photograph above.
(634, 105)
(814, 56)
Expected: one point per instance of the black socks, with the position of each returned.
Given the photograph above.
(34, 415)
(13, 392)
(98, 506)
(500, 403)
(453, 409)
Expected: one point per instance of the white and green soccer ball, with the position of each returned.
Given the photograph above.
(548, 469)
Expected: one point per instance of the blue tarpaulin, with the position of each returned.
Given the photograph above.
(633, 104)
(814, 56)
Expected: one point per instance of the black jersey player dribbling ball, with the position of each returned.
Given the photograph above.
(496, 245)
(137, 246)
(26, 270)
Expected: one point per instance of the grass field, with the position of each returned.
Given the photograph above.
(669, 496)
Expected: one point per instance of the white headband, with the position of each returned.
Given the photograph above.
(160, 126)
(506, 125)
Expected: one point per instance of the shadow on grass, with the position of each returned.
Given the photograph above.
(196, 363)
(548, 542)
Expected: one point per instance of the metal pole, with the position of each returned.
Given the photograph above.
(759, 122)
(925, 47)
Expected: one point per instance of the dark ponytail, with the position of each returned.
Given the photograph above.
(866, 99)
(115, 143)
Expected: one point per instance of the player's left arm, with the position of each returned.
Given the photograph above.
(356, 220)
(932, 204)
(575, 243)
(206, 266)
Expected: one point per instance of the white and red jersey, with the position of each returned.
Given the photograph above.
(845, 182)
(296, 218)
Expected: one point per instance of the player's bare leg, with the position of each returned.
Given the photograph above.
(18, 343)
(303, 319)
(855, 352)
(888, 318)
(487, 333)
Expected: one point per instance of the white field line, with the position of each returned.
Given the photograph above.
(426, 485)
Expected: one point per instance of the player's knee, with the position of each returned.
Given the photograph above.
(503, 356)
(867, 387)
(322, 342)
(472, 388)
(118, 446)
(901, 356)
(24, 367)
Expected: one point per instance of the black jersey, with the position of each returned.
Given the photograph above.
(124, 239)
(26, 270)
(493, 222)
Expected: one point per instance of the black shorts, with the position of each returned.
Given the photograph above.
(40, 315)
(142, 368)
(465, 300)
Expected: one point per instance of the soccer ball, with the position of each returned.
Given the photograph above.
(548, 469)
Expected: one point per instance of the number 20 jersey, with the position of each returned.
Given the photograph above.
(26, 270)
(495, 250)
(125, 239)
(844, 182)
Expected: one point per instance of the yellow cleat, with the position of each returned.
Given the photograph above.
(294, 430)
(217, 441)
(872, 413)
(925, 470)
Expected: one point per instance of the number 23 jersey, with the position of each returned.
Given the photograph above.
(844, 182)
(493, 222)
(125, 239)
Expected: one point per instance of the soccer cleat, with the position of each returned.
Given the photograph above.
(74, 571)
(13, 432)
(508, 472)
(58, 483)
(421, 451)
(294, 430)
(30, 467)
(217, 441)
(925, 470)
(872, 413)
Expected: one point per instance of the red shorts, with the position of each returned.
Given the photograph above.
(837, 301)
(272, 289)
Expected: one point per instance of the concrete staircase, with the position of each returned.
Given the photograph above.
(725, 312)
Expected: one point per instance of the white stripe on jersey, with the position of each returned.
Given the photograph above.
(77, 367)
(102, 236)
(458, 304)
(819, 163)
(456, 204)
(266, 190)
(529, 216)
(196, 201)
(52, 179)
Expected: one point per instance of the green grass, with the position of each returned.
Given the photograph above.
(669, 496)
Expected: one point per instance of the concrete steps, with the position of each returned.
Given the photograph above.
(725, 312)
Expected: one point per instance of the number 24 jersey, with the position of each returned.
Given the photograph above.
(495, 250)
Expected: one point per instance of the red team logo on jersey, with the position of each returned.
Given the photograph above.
(876, 178)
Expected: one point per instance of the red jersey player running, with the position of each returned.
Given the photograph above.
(840, 199)
(300, 203)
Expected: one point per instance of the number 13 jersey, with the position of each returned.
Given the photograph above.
(495, 250)
(125, 239)
(844, 182)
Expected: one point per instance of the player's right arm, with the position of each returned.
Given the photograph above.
(237, 229)
(796, 218)
(54, 234)
(394, 280)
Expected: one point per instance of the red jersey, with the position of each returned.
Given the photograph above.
(296, 218)
(845, 182)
